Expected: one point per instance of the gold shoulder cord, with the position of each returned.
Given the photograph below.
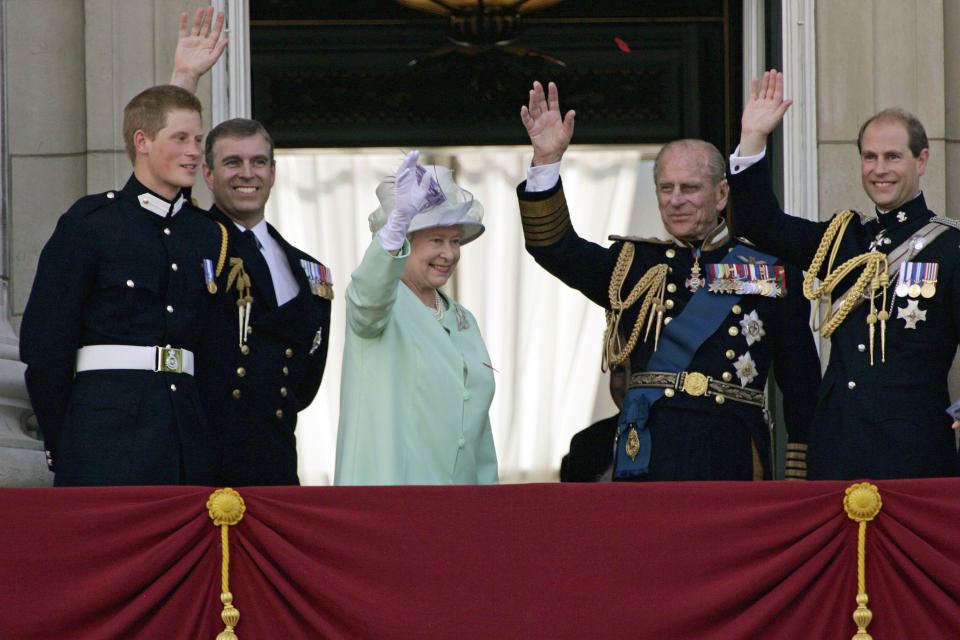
(239, 276)
(223, 247)
(652, 284)
(874, 273)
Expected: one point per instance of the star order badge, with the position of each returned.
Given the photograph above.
(752, 327)
(746, 369)
(911, 314)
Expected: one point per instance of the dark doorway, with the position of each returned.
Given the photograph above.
(339, 74)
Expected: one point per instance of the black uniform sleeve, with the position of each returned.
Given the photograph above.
(52, 322)
(758, 217)
(551, 240)
(796, 368)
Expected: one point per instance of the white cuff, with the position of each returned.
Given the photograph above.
(542, 177)
(740, 163)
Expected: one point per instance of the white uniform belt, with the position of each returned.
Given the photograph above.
(125, 356)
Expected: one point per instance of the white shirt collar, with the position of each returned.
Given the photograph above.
(158, 205)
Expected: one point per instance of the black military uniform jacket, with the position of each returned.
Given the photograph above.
(252, 393)
(114, 272)
(885, 420)
(694, 437)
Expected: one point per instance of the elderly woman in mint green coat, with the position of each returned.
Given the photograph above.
(417, 380)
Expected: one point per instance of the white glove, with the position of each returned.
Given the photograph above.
(408, 195)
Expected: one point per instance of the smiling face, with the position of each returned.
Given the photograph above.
(689, 200)
(434, 254)
(170, 160)
(241, 177)
(889, 171)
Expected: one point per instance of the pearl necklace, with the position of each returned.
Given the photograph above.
(438, 305)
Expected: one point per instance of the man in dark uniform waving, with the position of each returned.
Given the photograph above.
(269, 351)
(705, 317)
(123, 291)
(894, 319)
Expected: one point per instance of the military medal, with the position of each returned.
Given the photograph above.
(320, 278)
(903, 281)
(929, 287)
(911, 314)
(694, 282)
(208, 275)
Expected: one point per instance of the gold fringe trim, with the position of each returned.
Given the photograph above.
(874, 273)
(226, 509)
(862, 503)
(652, 283)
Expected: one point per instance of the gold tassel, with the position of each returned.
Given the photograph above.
(226, 509)
(862, 503)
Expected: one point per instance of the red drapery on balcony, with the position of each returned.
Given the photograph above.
(672, 560)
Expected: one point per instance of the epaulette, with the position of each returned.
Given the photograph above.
(616, 238)
(93, 202)
(947, 222)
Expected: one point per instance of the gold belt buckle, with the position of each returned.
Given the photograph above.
(169, 359)
(695, 383)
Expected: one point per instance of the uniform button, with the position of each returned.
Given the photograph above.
(461, 443)
(283, 391)
(719, 399)
(730, 354)
(130, 283)
(174, 266)
(241, 372)
(237, 394)
(733, 331)
(668, 304)
(286, 371)
(861, 347)
(288, 353)
(244, 349)
(669, 393)
(279, 414)
(249, 330)
(166, 231)
(111, 195)
(466, 395)
(851, 385)
(736, 309)
(667, 320)
(173, 387)
(169, 308)
(672, 288)
(727, 376)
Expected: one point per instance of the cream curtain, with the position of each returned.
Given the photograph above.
(544, 339)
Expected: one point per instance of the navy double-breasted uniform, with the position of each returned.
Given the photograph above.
(253, 392)
(712, 435)
(886, 420)
(122, 268)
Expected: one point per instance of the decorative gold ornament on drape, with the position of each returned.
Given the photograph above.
(862, 503)
(226, 509)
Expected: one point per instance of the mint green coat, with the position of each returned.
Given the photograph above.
(416, 390)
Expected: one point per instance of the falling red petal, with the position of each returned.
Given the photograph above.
(623, 46)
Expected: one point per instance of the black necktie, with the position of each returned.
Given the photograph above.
(259, 271)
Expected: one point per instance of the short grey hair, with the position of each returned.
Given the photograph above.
(716, 165)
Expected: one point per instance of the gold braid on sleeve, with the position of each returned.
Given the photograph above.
(651, 286)
(874, 275)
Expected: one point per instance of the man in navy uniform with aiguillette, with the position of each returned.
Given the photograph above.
(266, 358)
(704, 316)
